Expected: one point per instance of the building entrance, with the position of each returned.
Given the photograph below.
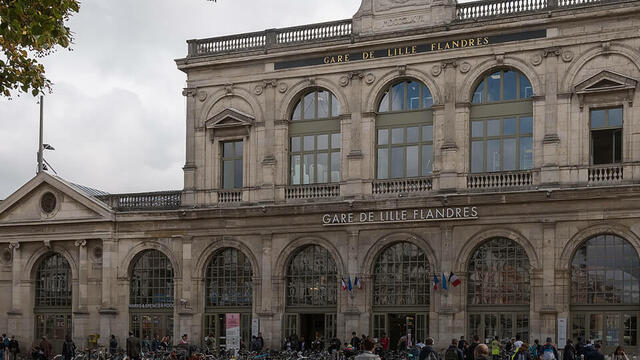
(312, 326)
(55, 326)
(148, 325)
(397, 325)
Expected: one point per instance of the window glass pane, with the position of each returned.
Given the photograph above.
(603, 146)
(493, 87)
(427, 160)
(412, 161)
(597, 119)
(617, 149)
(295, 144)
(383, 136)
(297, 112)
(412, 134)
(477, 155)
(413, 95)
(383, 163)
(478, 97)
(336, 141)
(493, 127)
(477, 128)
(510, 81)
(508, 154)
(526, 125)
(238, 174)
(397, 136)
(323, 168)
(615, 117)
(397, 97)
(335, 167)
(526, 153)
(509, 126)
(427, 99)
(309, 143)
(630, 330)
(397, 162)
(227, 149)
(308, 169)
(335, 106)
(295, 170)
(384, 103)
(493, 155)
(323, 104)
(595, 325)
(238, 146)
(227, 170)
(400, 278)
(526, 91)
(310, 106)
(427, 133)
(323, 142)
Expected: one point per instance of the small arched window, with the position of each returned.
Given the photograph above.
(404, 128)
(502, 123)
(315, 141)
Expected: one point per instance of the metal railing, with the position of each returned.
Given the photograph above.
(498, 180)
(316, 191)
(396, 186)
(163, 200)
(230, 196)
(606, 174)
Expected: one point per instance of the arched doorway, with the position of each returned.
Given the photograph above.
(151, 295)
(498, 290)
(53, 300)
(605, 292)
(401, 293)
(311, 293)
(229, 290)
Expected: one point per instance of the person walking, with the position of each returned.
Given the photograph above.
(384, 342)
(549, 351)
(569, 351)
(133, 347)
(68, 348)
(355, 341)
(535, 349)
(113, 345)
(260, 342)
(453, 352)
(495, 348)
(46, 347)
(595, 354)
(522, 352)
(470, 355)
(367, 354)
(427, 352)
(619, 354)
(14, 348)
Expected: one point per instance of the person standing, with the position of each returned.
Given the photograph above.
(260, 342)
(461, 344)
(68, 348)
(113, 345)
(495, 348)
(367, 354)
(619, 354)
(569, 351)
(427, 352)
(384, 342)
(534, 349)
(470, 355)
(453, 352)
(522, 352)
(481, 352)
(133, 347)
(596, 354)
(47, 349)
(2, 346)
(549, 351)
(518, 342)
(14, 348)
(355, 341)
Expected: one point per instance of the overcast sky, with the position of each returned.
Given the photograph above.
(116, 114)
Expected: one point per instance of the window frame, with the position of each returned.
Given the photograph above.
(607, 127)
(233, 160)
(485, 91)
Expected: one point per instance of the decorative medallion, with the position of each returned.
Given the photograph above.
(48, 203)
(258, 90)
(283, 87)
(369, 78)
(344, 81)
(536, 59)
(567, 56)
(202, 95)
(465, 67)
(436, 70)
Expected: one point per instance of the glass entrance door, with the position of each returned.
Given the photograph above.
(396, 325)
(148, 325)
(311, 326)
(215, 326)
(612, 328)
(55, 327)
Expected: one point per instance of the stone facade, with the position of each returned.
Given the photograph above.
(238, 89)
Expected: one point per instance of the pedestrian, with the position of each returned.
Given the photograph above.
(155, 343)
(453, 352)
(2, 346)
(535, 349)
(14, 348)
(461, 344)
(367, 354)
(518, 342)
(619, 354)
(580, 346)
(146, 344)
(133, 347)
(427, 352)
(68, 348)
(384, 342)
(549, 351)
(260, 342)
(113, 345)
(522, 352)
(596, 354)
(355, 341)
(495, 348)
(481, 351)
(569, 351)
(470, 355)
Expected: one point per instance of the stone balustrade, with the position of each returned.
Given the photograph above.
(164, 200)
(500, 180)
(315, 191)
(606, 174)
(398, 186)
(229, 196)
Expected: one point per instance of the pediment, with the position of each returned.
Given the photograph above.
(606, 81)
(230, 118)
(49, 199)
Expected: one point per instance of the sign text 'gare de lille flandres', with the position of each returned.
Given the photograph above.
(400, 216)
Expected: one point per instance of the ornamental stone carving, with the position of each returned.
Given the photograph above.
(283, 87)
(344, 80)
(436, 70)
(536, 60)
(258, 90)
(14, 245)
(202, 95)
(81, 243)
(369, 78)
(465, 67)
(567, 56)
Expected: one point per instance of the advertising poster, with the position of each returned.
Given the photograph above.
(233, 332)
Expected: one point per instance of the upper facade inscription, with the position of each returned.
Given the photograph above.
(384, 16)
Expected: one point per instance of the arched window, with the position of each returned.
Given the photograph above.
(498, 290)
(401, 290)
(315, 141)
(53, 299)
(502, 123)
(229, 289)
(404, 125)
(605, 291)
(151, 294)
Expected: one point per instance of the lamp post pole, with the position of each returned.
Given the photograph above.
(40, 143)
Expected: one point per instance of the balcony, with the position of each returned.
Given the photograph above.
(606, 174)
(164, 200)
(316, 191)
(399, 186)
(500, 180)
(229, 196)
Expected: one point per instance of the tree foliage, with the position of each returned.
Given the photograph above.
(30, 30)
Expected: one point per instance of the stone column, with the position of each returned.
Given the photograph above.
(81, 311)
(548, 310)
(15, 317)
(266, 143)
(264, 310)
(185, 299)
(109, 282)
(189, 168)
(445, 114)
(352, 172)
(355, 319)
(550, 143)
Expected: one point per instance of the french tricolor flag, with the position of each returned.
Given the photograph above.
(344, 285)
(453, 280)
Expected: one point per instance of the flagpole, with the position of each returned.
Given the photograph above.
(41, 141)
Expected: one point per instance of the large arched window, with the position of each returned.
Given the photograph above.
(501, 129)
(229, 289)
(53, 299)
(151, 294)
(404, 131)
(498, 290)
(605, 291)
(315, 141)
(401, 291)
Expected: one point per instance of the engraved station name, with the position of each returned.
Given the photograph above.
(411, 49)
(401, 216)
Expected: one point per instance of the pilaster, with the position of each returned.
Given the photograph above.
(550, 143)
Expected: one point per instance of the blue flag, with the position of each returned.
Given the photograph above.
(435, 281)
(444, 282)
(349, 286)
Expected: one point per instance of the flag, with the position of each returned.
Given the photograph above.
(357, 283)
(343, 284)
(349, 286)
(453, 280)
(444, 282)
(435, 282)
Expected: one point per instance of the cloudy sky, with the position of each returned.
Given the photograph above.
(116, 114)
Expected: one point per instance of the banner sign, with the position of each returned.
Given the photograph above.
(151, 306)
(232, 326)
(562, 333)
(401, 216)
(411, 49)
